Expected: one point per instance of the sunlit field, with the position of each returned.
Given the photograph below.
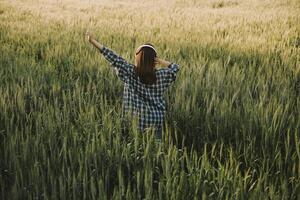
(232, 129)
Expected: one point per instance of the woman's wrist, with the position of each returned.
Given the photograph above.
(166, 63)
(162, 62)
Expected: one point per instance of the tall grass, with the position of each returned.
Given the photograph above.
(233, 120)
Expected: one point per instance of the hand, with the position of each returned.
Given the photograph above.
(159, 61)
(89, 36)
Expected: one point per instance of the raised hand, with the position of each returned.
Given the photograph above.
(161, 62)
(90, 37)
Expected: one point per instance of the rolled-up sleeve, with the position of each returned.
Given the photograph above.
(123, 68)
(171, 72)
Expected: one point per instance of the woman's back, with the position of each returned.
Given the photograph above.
(146, 100)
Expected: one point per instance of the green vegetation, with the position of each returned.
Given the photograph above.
(233, 121)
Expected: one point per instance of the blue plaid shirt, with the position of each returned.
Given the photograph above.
(142, 100)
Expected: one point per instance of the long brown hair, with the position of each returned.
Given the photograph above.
(145, 64)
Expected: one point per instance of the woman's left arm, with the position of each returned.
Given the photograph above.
(122, 66)
(94, 42)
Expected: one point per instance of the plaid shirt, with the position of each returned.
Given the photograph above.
(145, 101)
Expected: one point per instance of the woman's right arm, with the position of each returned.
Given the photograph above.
(162, 62)
(170, 71)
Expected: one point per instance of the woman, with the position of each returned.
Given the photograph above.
(144, 85)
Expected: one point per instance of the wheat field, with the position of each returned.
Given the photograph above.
(232, 129)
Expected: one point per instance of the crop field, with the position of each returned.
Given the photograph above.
(232, 128)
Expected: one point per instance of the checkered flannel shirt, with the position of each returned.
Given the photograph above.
(143, 100)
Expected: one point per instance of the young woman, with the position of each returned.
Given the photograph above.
(144, 85)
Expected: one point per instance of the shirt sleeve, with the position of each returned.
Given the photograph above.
(171, 72)
(122, 67)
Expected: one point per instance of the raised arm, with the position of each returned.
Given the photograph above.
(162, 62)
(93, 41)
(170, 70)
(123, 68)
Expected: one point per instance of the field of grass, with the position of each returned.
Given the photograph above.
(232, 128)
